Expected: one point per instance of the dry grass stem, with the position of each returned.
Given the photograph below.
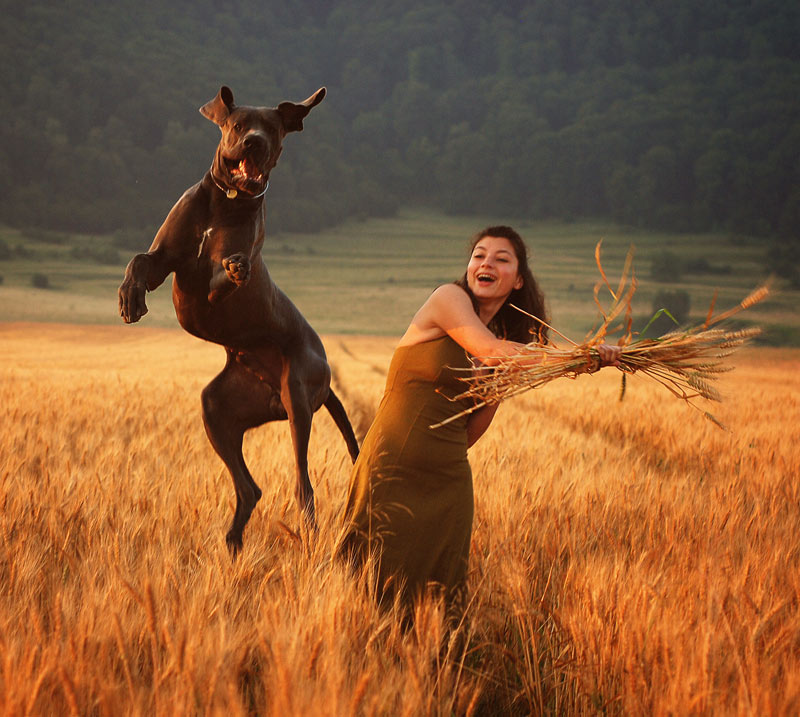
(685, 361)
(626, 562)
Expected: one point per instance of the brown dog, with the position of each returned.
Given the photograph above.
(222, 292)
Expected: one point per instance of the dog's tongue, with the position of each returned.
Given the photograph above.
(246, 175)
(245, 169)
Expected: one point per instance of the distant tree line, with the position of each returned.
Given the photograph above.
(675, 115)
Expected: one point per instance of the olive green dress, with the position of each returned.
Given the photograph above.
(410, 498)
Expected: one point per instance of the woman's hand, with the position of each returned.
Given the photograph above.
(609, 354)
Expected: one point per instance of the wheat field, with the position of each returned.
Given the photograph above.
(628, 557)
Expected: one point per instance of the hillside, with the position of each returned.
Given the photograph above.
(677, 116)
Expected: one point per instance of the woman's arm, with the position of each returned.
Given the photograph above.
(479, 421)
(449, 310)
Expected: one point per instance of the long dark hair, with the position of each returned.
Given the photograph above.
(508, 323)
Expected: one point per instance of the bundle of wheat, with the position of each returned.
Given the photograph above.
(684, 361)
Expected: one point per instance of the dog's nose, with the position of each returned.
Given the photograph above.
(255, 141)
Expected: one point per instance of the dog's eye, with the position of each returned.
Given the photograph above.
(237, 127)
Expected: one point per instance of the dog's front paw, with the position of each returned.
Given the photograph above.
(237, 267)
(132, 304)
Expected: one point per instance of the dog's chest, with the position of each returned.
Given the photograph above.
(219, 241)
(203, 238)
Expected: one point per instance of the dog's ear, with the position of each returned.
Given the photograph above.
(293, 113)
(218, 109)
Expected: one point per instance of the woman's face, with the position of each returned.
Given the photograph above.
(493, 269)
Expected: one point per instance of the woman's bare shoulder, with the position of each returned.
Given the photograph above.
(447, 303)
(449, 292)
(426, 324)
(451, 288)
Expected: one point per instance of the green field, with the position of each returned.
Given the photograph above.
(369, 277)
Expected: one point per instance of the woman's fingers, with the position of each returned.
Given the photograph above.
(609, 355)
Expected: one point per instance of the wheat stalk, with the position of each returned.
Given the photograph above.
(685, 361)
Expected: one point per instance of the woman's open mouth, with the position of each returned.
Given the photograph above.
(485, 279)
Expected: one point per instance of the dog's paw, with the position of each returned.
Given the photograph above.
(237, 267)
(132, 305)
(234, 542)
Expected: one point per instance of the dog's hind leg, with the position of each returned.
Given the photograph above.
(300, 391)
(236, 400)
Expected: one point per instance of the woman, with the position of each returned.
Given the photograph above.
(410, 501)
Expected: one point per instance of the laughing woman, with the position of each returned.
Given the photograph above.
(410, 501)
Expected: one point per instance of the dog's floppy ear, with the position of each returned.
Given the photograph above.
(293, 113)
(218, 109)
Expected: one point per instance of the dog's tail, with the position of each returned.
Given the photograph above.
(339, 415)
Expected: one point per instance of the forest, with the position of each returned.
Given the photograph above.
(669, 115)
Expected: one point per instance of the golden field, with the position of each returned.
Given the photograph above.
(628, 557)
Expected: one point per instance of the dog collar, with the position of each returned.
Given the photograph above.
(231, 193)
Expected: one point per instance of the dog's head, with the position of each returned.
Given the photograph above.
(252, 138)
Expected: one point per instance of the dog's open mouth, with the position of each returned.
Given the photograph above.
(245, 175)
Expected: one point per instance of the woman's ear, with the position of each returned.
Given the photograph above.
(518, 284)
